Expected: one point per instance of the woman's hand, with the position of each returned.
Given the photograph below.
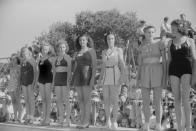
(138, 84)
(92, 83)
(193, 81)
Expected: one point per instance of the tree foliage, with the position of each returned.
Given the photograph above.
(95, 24)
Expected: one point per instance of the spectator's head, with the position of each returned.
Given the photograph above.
(14, 59)
(101, 113)
(183, 17)
(84, 41)
(124, 122)
(166, 19)
(142, 23)
(178, 28)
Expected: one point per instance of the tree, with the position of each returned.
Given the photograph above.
(56, 32)
(96, 24)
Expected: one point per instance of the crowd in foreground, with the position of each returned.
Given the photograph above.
(71, 93)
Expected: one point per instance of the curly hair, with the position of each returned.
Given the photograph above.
(62, 42)
(90, 42)
(181, 28)
(29, 49)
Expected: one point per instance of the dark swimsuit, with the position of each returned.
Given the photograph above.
(180, 60)
(45, 69)
(27, 74)
(61, 77)
(83, 72)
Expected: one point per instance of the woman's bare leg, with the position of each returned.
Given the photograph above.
(146, 104)
(106, 95)
(185, 81)
(175, 84)
(87, 104)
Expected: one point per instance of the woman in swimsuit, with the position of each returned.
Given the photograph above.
(181, 54)
(111, 77)
(84, 76)
(28, 82)
(45, 78)
(62, 74)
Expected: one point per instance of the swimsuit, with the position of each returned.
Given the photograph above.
(45, 69)
(180, 60)
(27, 74)
(83, 72)
(61, 77)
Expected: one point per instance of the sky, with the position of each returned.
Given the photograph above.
(22, 20)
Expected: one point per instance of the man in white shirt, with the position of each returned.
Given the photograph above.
(165, 28)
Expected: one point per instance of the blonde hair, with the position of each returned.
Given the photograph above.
(62, 42)
(51, 49)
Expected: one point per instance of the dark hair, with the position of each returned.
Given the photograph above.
(166, 18)
(110, 32)
(90, 42)
(62, 42)
(181, 28)
(142, 22)
(182, 15)
(149, 27)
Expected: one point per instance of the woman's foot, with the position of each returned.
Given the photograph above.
(145, 127)
(158, 127)
(114, 125)
(189, 129)
(67, 123)
(108, 124)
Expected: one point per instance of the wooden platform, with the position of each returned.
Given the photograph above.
(17, 127)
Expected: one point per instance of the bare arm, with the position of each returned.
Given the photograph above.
(94, 66)
(168, 60)
(122, 66)
(53, 71)
(193, 53)
(139, 68)
(34, 64)
(164, 64)
(102, 68)
(69, 70)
